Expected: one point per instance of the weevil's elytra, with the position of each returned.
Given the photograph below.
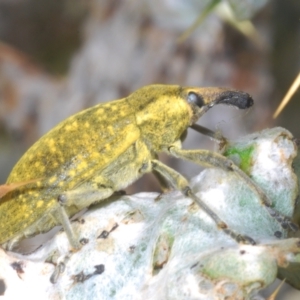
(103, 149)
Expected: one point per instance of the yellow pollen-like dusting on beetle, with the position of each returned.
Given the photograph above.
(52, 179)
(53, 149)
(51, 203)
(94, 156)
(100, 111)
(51, 145)
(75, 125)
(79, 157)
(38, 183)
(39, 203)
(95, 152)
(72, 173)
(122, 113)
(68, 128)
(51, 142)
(83, 165)
(110, 129)
(42, 168)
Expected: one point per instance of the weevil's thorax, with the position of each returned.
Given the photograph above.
(163, 116)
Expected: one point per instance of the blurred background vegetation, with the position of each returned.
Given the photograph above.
(60, 56)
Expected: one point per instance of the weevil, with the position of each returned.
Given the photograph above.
(103, 149)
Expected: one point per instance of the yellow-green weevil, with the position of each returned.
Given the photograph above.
(103, 149)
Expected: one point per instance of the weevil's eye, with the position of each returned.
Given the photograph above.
(195, 99)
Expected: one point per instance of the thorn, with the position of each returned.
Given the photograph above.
(275, 293)
(295, 85)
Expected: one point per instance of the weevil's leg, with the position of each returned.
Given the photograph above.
(81, 197)
(215, 135)
(211, 159)
(86, 194)
(163, 183)
(180, 183)
(66, 224)
(59, 269)
(9, 245)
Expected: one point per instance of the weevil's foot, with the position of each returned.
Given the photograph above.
(161, 195)
(4, 247)
(294, 227)
(285, 222)
(241, 239)
(119, 193)
(59, 269)
(11, 244)
(245, 239)
(223, 142)
(76, 247)
(56, 273)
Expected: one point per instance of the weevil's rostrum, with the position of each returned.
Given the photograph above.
(103, 149)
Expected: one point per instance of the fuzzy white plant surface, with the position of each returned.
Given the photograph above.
(139, 248)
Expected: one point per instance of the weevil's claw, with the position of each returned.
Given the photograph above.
(285, 222)
(59, 269)
(11, 244)
(294, 227)
(241, 239)
(161, 195)
(75, 249)
(247, 240)
(223, 142)
(119, 193)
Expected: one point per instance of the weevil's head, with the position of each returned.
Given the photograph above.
(202, 99)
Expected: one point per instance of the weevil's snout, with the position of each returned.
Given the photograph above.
(205, 98)
(202, 99)
(238, 99)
